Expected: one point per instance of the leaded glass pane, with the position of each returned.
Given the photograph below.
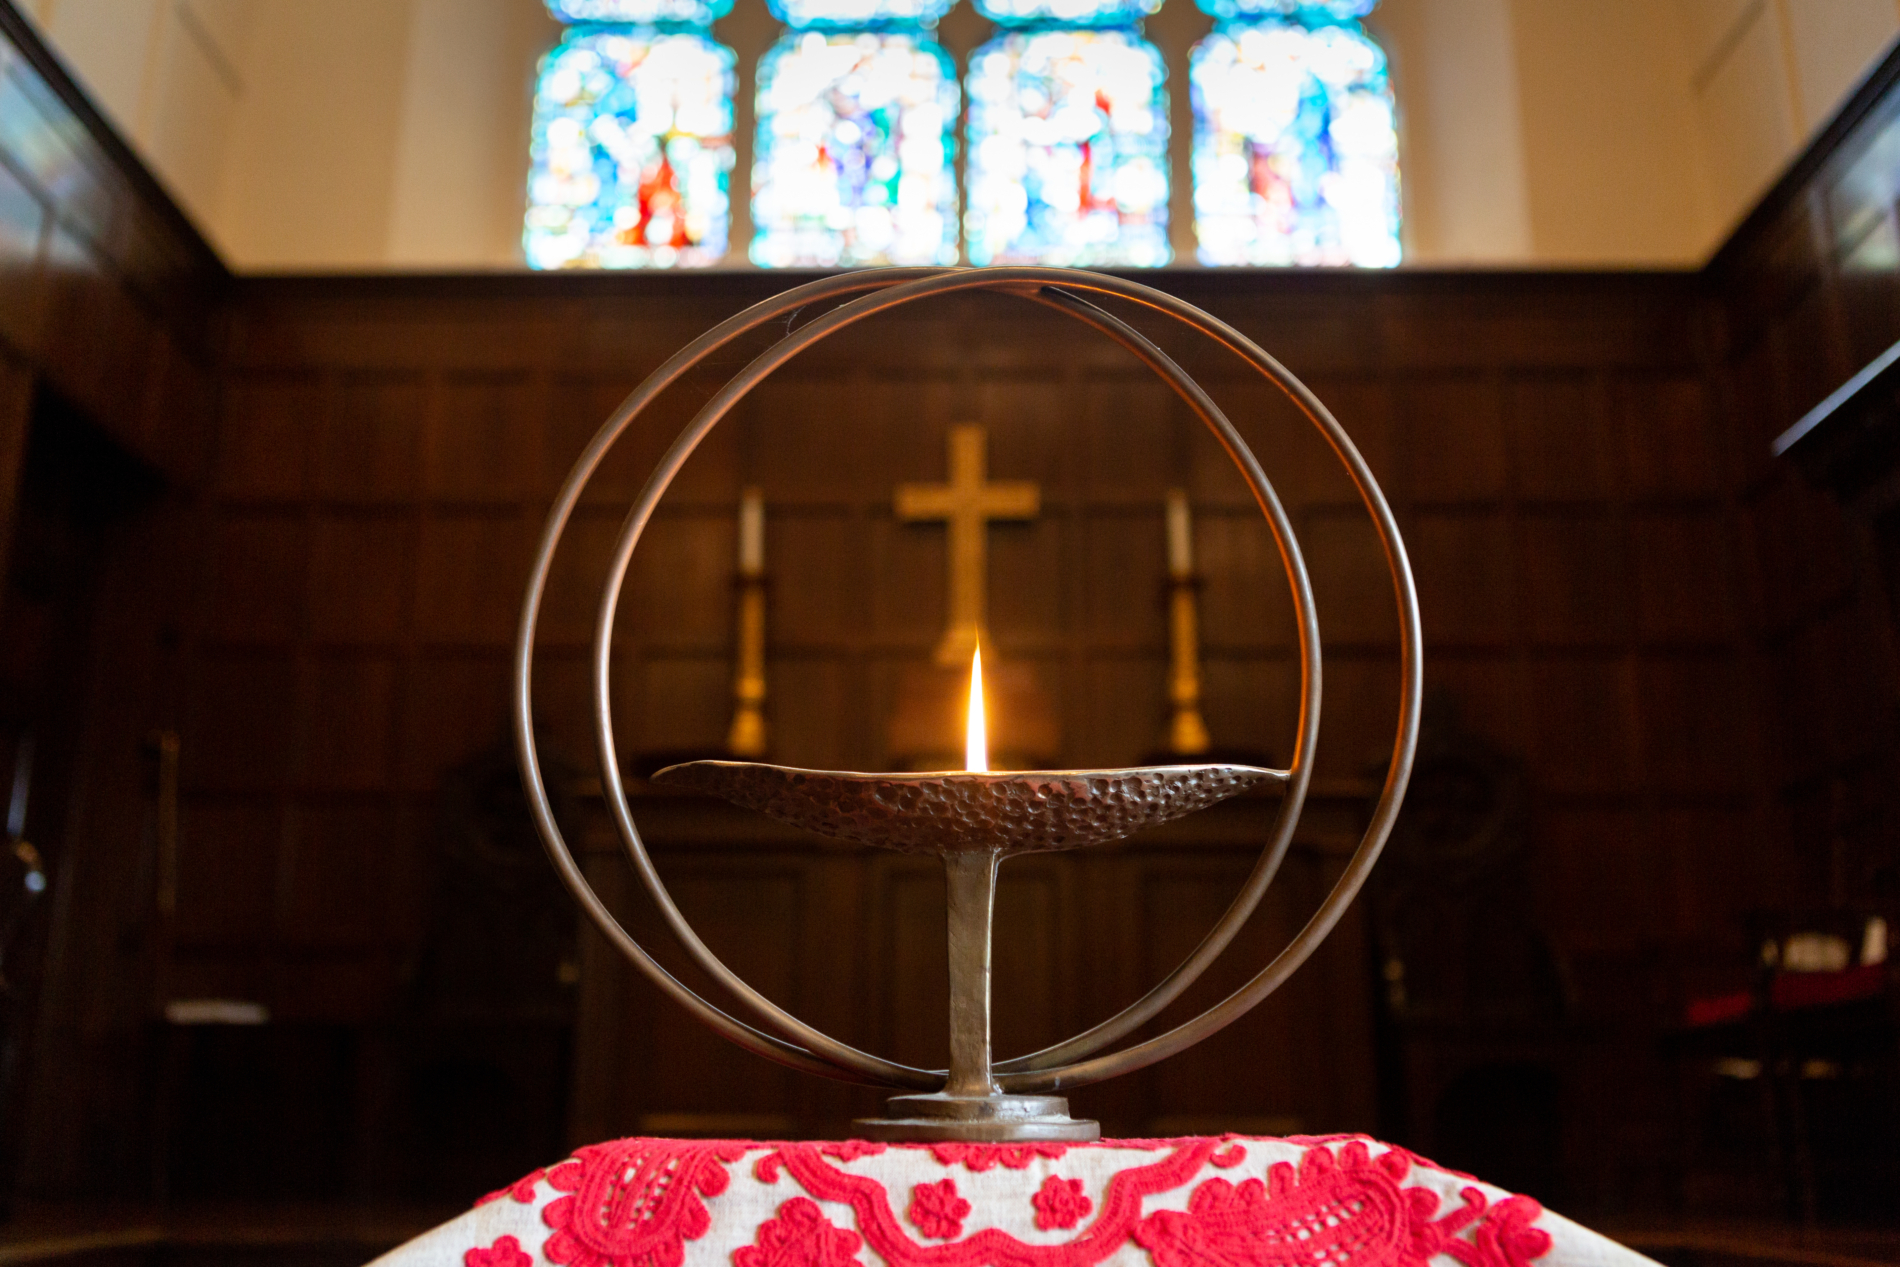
(1295, 152)
(632, 149)
(1068, 150)
(859, 13)
(695, 12)
(1309, 12)
(1066, 12)
(853, 163)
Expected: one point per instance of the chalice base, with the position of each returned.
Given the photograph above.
(986, 1119)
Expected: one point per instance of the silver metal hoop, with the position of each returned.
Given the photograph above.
(792, 1042)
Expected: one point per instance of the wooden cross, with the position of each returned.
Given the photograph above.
(968, 502)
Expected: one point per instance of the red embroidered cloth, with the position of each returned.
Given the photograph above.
(1228, 1202)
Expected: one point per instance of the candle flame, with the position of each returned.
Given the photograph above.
(976, 744)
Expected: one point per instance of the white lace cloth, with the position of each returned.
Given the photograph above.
(1233, 1201)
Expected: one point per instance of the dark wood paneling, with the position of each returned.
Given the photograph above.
(1552, 464)
(108, 301)
(1811, 287)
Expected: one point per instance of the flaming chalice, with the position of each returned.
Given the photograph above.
(972, 818)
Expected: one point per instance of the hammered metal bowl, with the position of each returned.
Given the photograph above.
(1032, 811)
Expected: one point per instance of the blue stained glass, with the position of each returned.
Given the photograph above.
(1066, 12)
(1068, 150)
(631, 152)
(853, 163)
(1309, 12)
(691, 12)
(1295, 150)
(857, 14)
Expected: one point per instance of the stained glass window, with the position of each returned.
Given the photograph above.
(632, 149)
(854, 158)
(1295, 152)
(695, 12)
(843, 14)
(1068, 13)
(1312, 12)
(1068, 159)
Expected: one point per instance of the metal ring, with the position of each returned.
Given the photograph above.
(552, 840)
(1404, 748)
(765, 1012)
(1033, 1071)
(1280, 838)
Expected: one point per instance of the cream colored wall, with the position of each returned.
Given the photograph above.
(461, 161)
(1610, 133)
(383, 134)
(1461, 141)
(1614, 132)
(310, 172)
(323, 134)
(1609, 163)
(1764, 76)
(171, 74)
(375, 134)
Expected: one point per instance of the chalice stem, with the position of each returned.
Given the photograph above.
(971, 880)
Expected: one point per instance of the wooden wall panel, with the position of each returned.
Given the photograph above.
(267, 459)
(359, 576)
(1455, 438)
(260, 562)
(227, 883)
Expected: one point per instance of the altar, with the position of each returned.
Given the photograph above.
(1036, 1174)
(854, 939)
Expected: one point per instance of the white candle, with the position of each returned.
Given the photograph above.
(751, 533)
(1180, 535)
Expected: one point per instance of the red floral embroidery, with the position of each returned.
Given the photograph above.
(765, 1169)
(992, 1247)
(801, 1236)
(1505, 1235)
(1334, 1210)
(506, 1252)
(635, 1202)
(1060, 1203)
(937, 1210)
(1228, 1157)
(981, 1157)
(521, 1190)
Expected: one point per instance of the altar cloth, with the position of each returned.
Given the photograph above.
(1231, 1201)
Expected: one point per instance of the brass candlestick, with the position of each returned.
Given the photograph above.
(1187, 730)
(746, 736)
(973, 821)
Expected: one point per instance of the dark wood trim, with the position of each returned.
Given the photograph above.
(740, 285)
